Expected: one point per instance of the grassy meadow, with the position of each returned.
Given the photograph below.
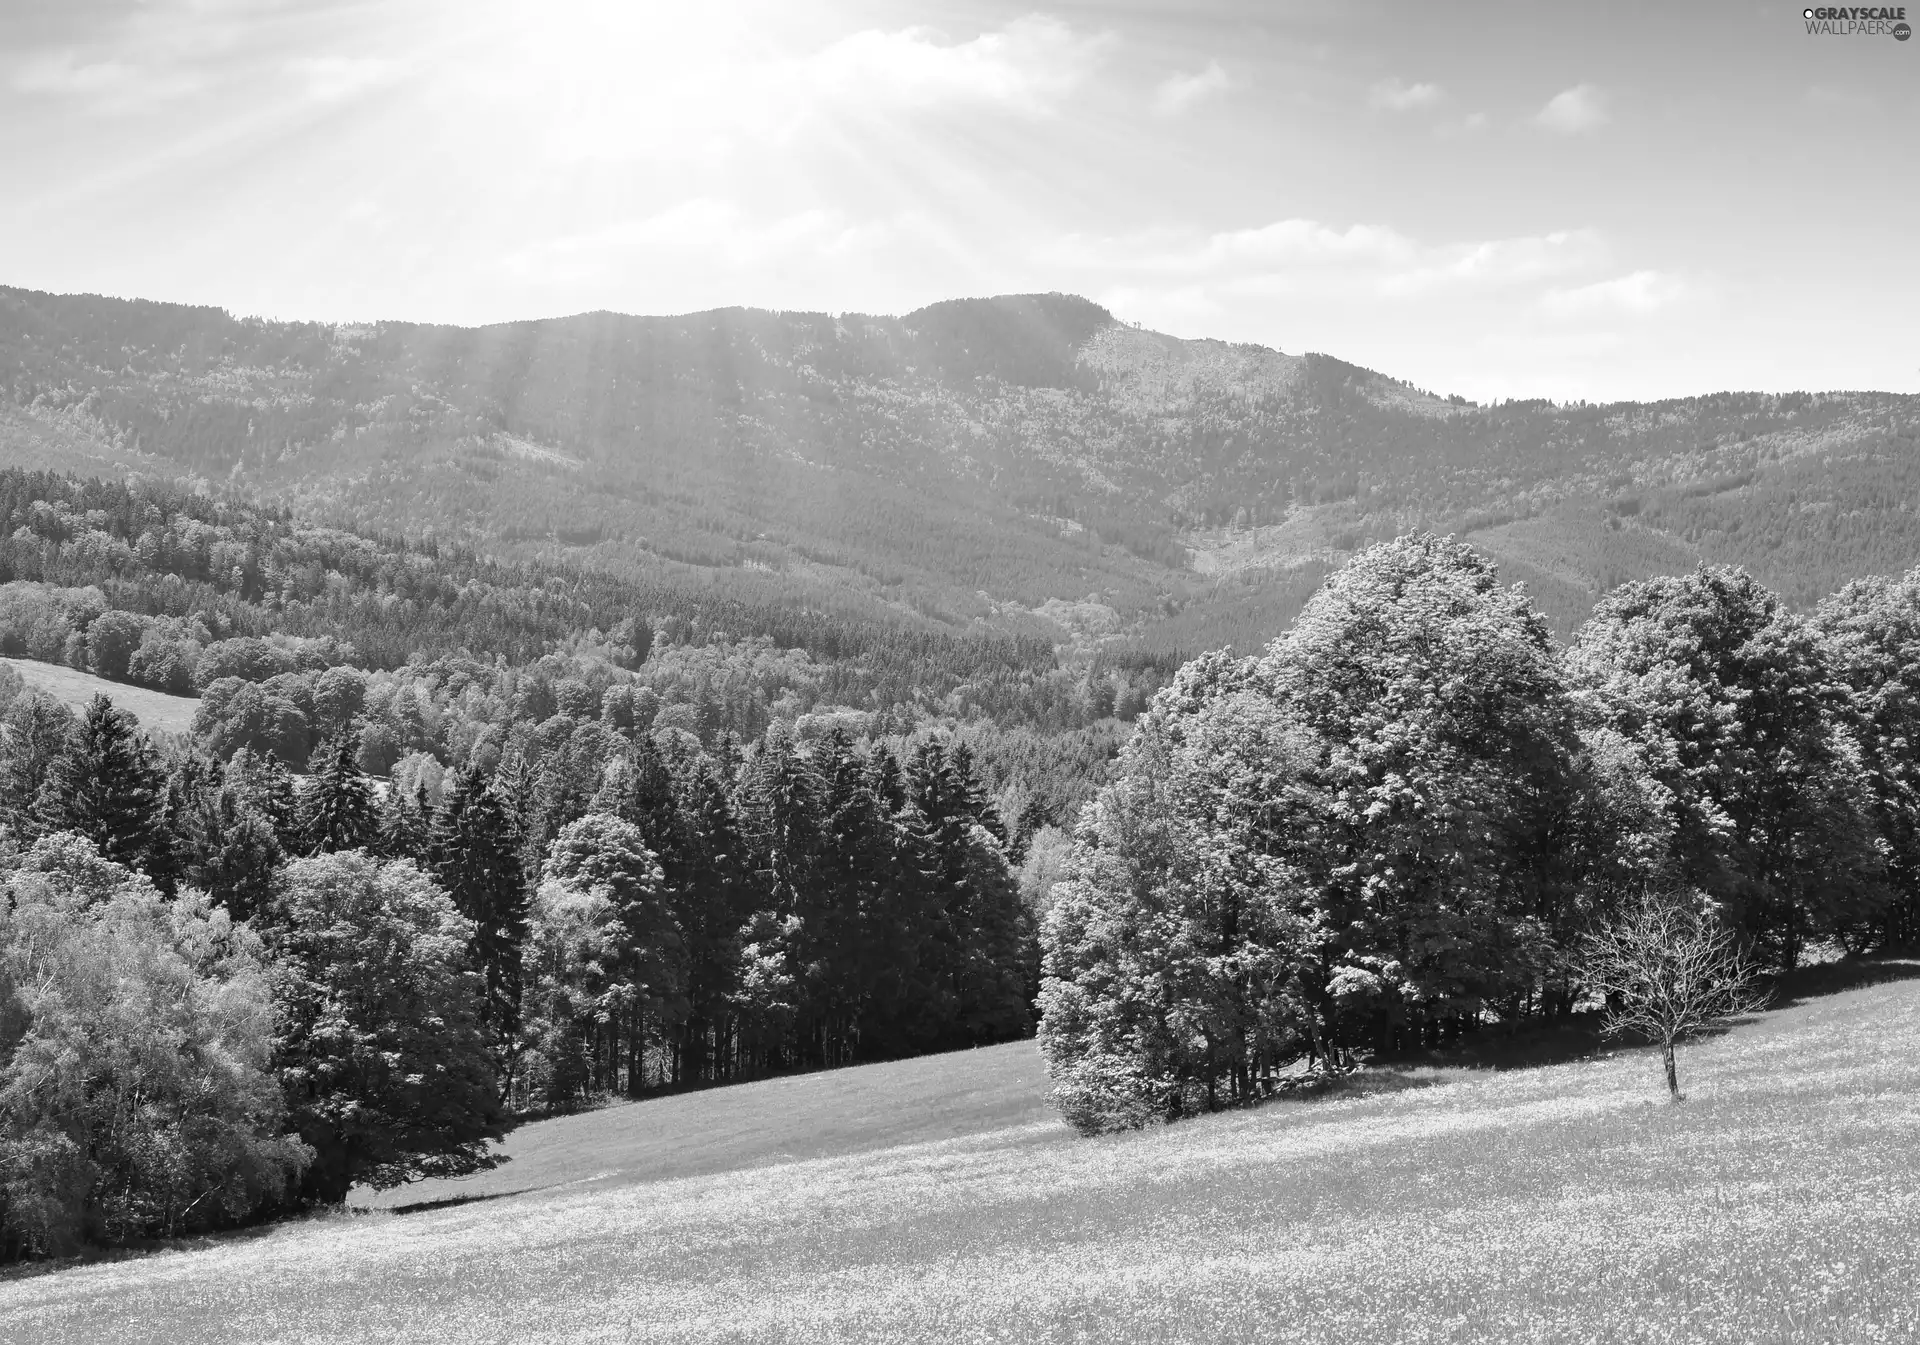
(156, 710)
(939, 1199)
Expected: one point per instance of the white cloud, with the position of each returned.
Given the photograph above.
(1300, 255)
(1180, 91)
(1030, 66)
(1392, 96)
(107, 83)
(327, 78)
(1635, 293)
(1581, 108)
(715, 233)
(575, 92)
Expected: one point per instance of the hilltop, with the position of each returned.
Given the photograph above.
(1027, 463)
(1550, 1204)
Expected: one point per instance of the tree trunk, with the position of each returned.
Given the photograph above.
(1673, 1077)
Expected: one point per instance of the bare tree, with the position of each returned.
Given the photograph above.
(1668, 971)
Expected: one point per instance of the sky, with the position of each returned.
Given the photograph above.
(1598, 201)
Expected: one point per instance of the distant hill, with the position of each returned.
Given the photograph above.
(996, 462)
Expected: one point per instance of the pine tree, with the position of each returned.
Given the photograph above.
(406, 822)
(856, 873)
(710, 894)
(980, 945)
(107, 786)
(337, 809)
(264, 784)
(475, 852)
(231, 852)
(37, 734)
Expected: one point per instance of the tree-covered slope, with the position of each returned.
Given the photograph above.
(968, 462)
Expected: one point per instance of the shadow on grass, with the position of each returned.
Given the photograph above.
(1850, 973)
(1499, 1047)
(449, 1202)
(141, 1248)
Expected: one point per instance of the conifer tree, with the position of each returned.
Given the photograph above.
(264, 784)
(978, 948)
(337, 809)
(709, 892)
(856, 873)
(406, 821)
(475, 852)
(107, 786)
(37, 734)
(231, 852)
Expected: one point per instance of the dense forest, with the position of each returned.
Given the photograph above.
(349, 980)
(610, 845)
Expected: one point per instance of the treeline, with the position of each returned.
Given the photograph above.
(548, 927)
(1398, 823)
(154, 586)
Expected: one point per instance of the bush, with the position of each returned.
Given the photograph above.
(135, 1037)
(1102, 1094)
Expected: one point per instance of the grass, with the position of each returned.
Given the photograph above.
(937, 1200)
(71, 687)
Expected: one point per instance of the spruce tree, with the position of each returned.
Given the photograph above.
(107, 787)
(263, 783)
(711, 896)
(337, 810)
(475, 852)
(406, 822)
(231, 852)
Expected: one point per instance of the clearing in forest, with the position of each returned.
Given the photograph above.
(156, 710)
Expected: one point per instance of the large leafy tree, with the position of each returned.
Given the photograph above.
(1732, 703)
(1362, 836)
(381, 1052)
(1871, 633)
(1174, 945)
(604, 955)
(1450, 783)
(135, 1095)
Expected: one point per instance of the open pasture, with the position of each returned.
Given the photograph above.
(156, 710)
(937, 1199)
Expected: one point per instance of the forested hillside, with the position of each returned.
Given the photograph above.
(1026, 464)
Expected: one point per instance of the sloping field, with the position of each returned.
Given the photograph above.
(71, 687)
(1563, 1204)
(836, 1113)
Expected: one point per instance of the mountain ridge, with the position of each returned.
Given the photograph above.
(971, 462)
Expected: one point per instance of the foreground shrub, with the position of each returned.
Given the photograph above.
(135, 1036)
